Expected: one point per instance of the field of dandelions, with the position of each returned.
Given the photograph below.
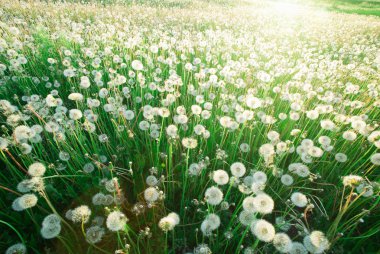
(191, 127)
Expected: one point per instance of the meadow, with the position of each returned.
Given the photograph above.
(181, 126)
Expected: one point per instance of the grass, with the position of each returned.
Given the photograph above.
(361, 7)
(293, 64)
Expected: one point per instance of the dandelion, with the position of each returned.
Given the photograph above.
(253, 102)
(328, 125)
(3, 143)
(51, 231)
(249, 204)
(189, 143)
(17, 248)
(341, 157)
(211, 222)
(298, 248)
(194, 169)
(151, 194)
(24, 202)
(112, 185)
(88, 167)
(116, 221)
(263, 230)
(263, 203)
(75, 114)
(75, 97)
(375, 159)
(220, 177)
(36, 169)
(137, 65)
(352, 180)
(51, 221)
(260, 177)
(81, 214)
(244, 147)
(299, 199)
(94, 234)
(282, 242)
(85, 82)
(287, 179)
(151, 180)
(171, 131)
(33, 184)
(169, 222)
(213, 196)
(299, 169)
(247, 218)
(237, 169)
(316, 242)
(202, 249)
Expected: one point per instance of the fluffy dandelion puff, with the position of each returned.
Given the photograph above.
(263, 230)
(282, 242)
(260, 177)
(287, 180)
(247, 218)
(238, 169)
(352, 180)
(213, 195)
(299, 199)
(81, 214)
(88, 167)
(220, 177)
(166, 224)
(202, 249)
(151, 180)
(116, 221)
(298, 248)
(169, 222)
(175, 217)
(365, 190)
(316, 242)
(36, 169)
(189, 143)
(210, 223)
(375, 159)
(24, 202)
(151, 194)
(51, 220)
(137, 65)
(75, 97)
(94, 234)
(263, 203)
(17, 248)
(51, 231)
(249, 204)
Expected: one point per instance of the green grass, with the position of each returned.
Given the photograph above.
(235, 42)
(361, 7)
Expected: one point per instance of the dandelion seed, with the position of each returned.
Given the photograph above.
(282, 243)
(116, 221)
(299, 199)
(213, 196)
(81, 214)
(263, 230)
(352, 180)
(189, 143)
(94, 234)
(220, 177)
(24, 202)
(238, 169)
(17, 248)
(151, 194)
(263, 203)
